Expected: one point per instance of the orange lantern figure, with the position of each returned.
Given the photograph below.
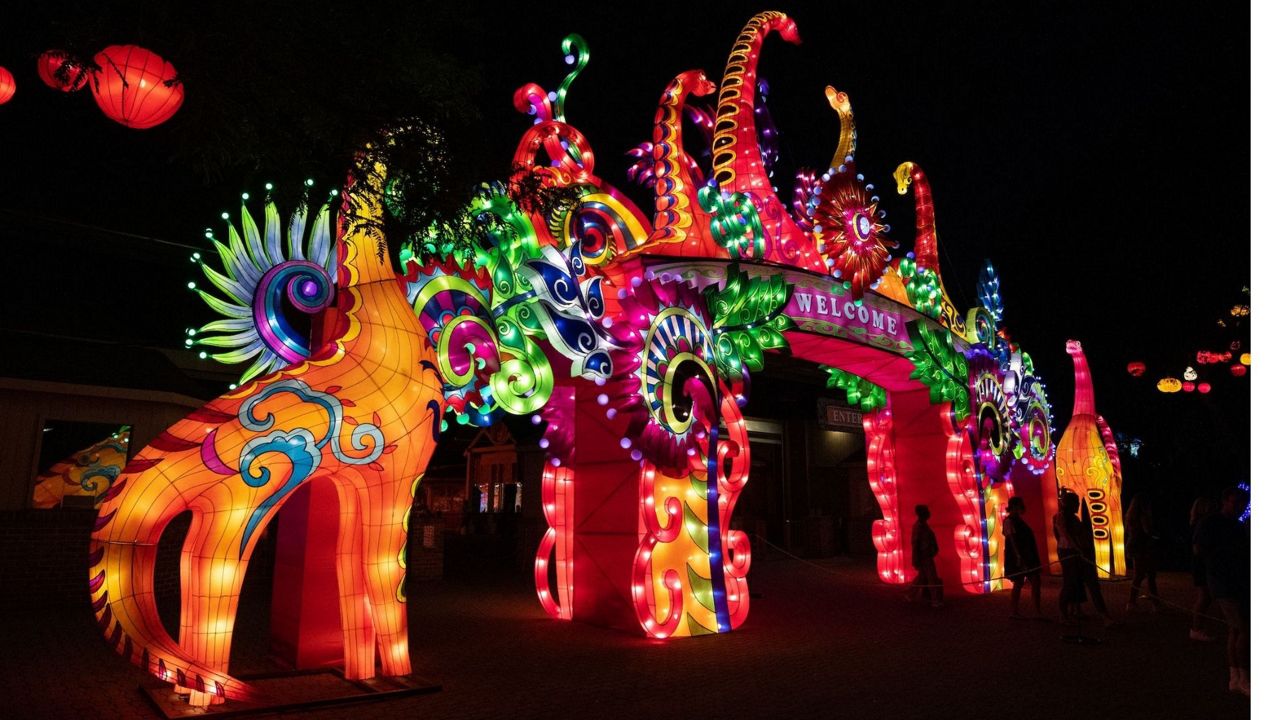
(1239, 310)
(1169, 385)
(1239, 369)
(1246, 359)
(1204, 387)
(135, 87)
(60, 70)
(7, 86)
(1137, 368)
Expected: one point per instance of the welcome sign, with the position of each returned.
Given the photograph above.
(818, 305)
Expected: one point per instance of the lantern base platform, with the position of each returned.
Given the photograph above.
(293, 690)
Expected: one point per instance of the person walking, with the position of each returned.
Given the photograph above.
(924, 548)
(1140, 539)
(1066, 530)
(1224, 543)
(1202, 508)
(1021, 557)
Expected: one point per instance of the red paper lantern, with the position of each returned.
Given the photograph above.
(1137, 368)
(7, 86)
(1239, 370)
(1188, 387)
(60, 70)
(1204, 387)
(136, 87)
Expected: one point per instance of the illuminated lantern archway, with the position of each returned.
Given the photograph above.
(1137, 368)
(7, 86)
(136, 87)
(61, 70)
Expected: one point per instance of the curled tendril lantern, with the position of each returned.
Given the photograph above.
(61, 70)
(1169, 385)
(1137, 368)
(7, 86)
(136, 87)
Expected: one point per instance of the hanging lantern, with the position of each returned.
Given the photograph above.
(1203, 388)
(1190, 374)
(1169, 385)
(1239, 369)
(1246, 359)
(135, 87)
(7, 86)
(1239, 310)
(61, 70)
(1137, 368)
(1188, 387)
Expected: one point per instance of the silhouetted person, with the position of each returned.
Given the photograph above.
(1090, 565)
(1223, 541)
(1067, 531)
(1202, 508)
(1021, 557)
(924, 548)
(1140, 539)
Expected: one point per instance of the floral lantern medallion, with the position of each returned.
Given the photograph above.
(135, 87)
(7, 86)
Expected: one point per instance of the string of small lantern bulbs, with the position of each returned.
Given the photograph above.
(132, 85)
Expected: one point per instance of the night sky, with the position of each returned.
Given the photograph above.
(1095, 153)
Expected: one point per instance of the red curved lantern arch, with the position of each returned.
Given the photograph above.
(61, 70)
(7, 86)
(136, 87)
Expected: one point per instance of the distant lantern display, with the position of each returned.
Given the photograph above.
(7, 86)
(136, 87)
(1190, 374)
(1188, 387)
(1203, 387)
(1239, 310)
(1169, 385)
(1239, 369)
(1235, 344)
(1137, 368)
(61, 70)
(1246, 359)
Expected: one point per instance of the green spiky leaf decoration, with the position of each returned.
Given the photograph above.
(748, 320)
(924, 289)
(941, 367)
(860, 393)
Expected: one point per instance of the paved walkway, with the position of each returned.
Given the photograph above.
(821, 642)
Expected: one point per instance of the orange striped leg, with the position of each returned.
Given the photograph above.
(212, 574)
(383, 515)
(357, 621)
